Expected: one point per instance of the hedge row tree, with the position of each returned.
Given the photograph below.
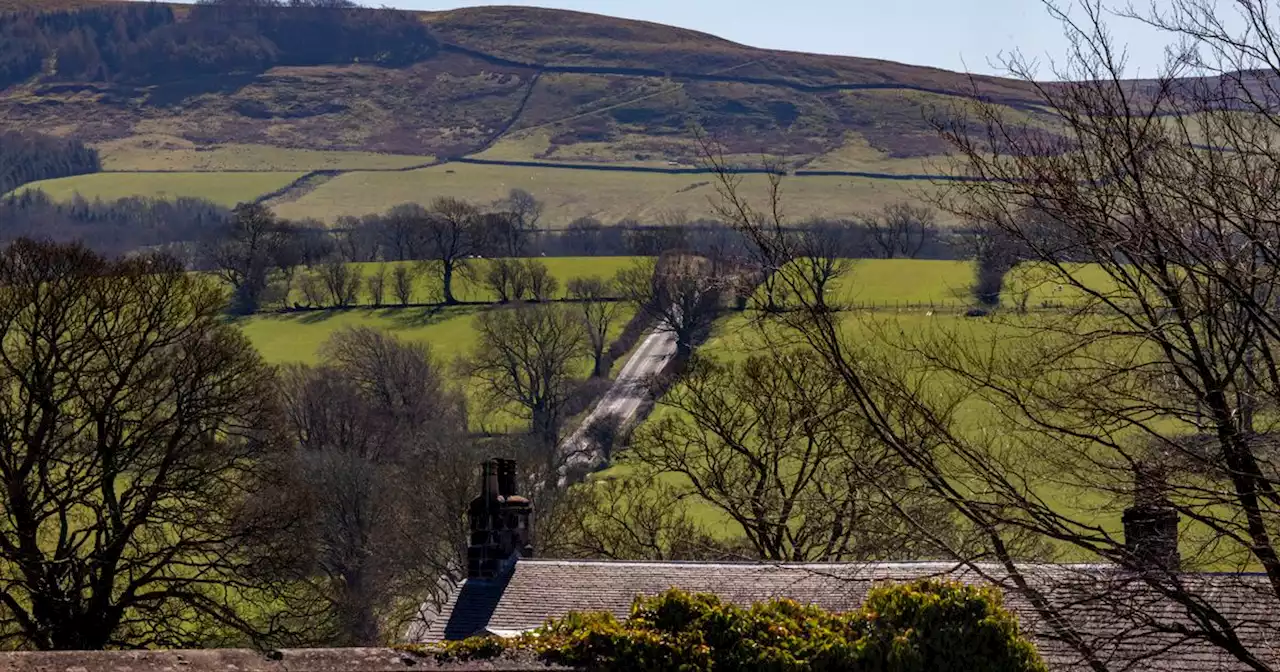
(383, 465)
(598, 309)
(679, 292)
(244, 253)
(452, 236)
(1168, 193)
(136, 428)
(520, 280)
(525, 355)
(902, 229)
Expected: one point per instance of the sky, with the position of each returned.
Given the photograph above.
(960, 35)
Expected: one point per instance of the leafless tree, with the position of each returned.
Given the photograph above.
(378, 286)
(342, 282)
(403, 231)
(524, 212)
(679, 292)
(313, 289)
(598, 309)
(383, 466)
(583, 235)
(358, 239)
(507, 279)
(773, 444)
(244, 254)
(452, 237)
(135, 425)
(404, 276)
(542, 284)
(902, 229)
(526, 356)
(1166, 188)
(627, 519)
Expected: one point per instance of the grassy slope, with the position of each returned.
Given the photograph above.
(364, 118)
(226, 189)
(569, 194)
(168, 153)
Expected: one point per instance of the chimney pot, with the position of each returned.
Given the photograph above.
(1151, 524)
(499, 522)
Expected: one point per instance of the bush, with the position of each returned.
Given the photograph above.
(934, 626)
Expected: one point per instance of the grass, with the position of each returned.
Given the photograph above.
(170, 153)
(227, 189)
(298, 338)
(469, 286)
(569, 194)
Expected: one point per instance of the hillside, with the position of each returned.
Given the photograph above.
(514, 84)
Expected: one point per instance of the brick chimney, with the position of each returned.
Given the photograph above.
(499, 521)
(1151, 524)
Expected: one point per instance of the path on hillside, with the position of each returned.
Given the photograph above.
(624, 400)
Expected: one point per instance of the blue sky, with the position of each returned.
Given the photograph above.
(962, 35)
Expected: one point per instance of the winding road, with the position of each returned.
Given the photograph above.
(624, 400)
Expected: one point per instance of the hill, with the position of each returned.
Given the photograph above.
(504, 84)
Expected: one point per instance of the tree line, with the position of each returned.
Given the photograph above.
(146, 42)
(111, 228)
(29, 157)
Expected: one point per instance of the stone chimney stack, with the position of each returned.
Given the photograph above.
(1151, 524)
(499, 521)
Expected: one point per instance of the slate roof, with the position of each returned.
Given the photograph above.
(1124, 622)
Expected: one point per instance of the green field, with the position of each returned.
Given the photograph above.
(228, 189)
(608, 196)
(468, 286)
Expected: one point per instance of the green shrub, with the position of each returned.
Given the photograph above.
(933, 626)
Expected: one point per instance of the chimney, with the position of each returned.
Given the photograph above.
(1151, 524)
(499, 522)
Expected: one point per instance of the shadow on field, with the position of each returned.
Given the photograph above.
(406, 318)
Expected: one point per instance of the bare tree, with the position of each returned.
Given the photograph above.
(404, 276)
(378, 286)
(452, 237)
(342, 282)
(313, 289)
(526, 356)
(134, 427)
(583, 236)
(403, 231)
(507, 279)
(598, 309)
(774, 445)
(902, 229)
(525, 211)
(679, 292)
(627, 519)
(244, 254)
(1166, 190)
(542, 284)
(383, 466)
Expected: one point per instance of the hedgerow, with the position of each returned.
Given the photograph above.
(926, 626)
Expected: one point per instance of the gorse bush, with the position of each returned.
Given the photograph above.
(927, 626)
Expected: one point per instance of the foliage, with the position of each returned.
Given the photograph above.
(934, 626)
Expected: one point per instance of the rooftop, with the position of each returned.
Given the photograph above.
(1119, 617)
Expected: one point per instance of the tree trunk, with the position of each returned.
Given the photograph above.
(448, 284)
